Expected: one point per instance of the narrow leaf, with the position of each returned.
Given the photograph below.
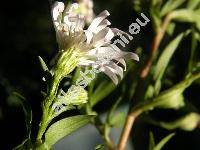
(151, 141)
(43, 64)
(166, 56)
(161, 144)
(171, 5)
(170, 28)
(102, 91)
(186, 15)
(194, 44)
(64, 127)
(192, 4)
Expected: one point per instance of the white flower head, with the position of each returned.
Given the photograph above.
(93, 46)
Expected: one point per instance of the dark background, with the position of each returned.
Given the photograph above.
(27, 32)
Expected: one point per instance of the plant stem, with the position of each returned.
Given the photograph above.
(132, 115)
(126, 130)
(46, 106)
(155, 45)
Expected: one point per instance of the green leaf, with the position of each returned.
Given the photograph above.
(165, 57)
(155, 15)
(76, 75)
(155, 2)
(64, 127)
(187, 15)
(161, 144)
(100, 147)
(113, 109)
(43, 64)
(149, 92)
(170, 28)
(192, 4)
(102, 91)
(118, 119)
(171, 5)
(173, 98)
(188, 122)
(170, 99)
(27, 112)
(151, 141)
(193, 49)
(26, 144)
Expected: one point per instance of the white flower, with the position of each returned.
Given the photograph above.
(93, 46)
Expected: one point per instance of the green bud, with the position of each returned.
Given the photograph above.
(76, 95)
(188, 122)
(174, 101)
(65, 63)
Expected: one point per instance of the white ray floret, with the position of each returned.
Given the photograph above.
(93, 44)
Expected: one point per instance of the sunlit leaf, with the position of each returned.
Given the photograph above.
(187, 15)
(64, 127)
(170, 28)
(171, 5)
(193, 49)
(193, 4)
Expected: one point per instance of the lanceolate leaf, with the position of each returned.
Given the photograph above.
(171, 5)
(166, 56)
(64, 127)
(193, 50)
(103, 90)
(193, 4)
(113, 109)
(187, 15)
(43, 64)
(160, 145)
(151, 141)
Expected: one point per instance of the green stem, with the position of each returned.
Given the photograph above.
(65, 65)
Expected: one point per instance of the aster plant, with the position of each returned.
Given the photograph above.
(87, 51)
